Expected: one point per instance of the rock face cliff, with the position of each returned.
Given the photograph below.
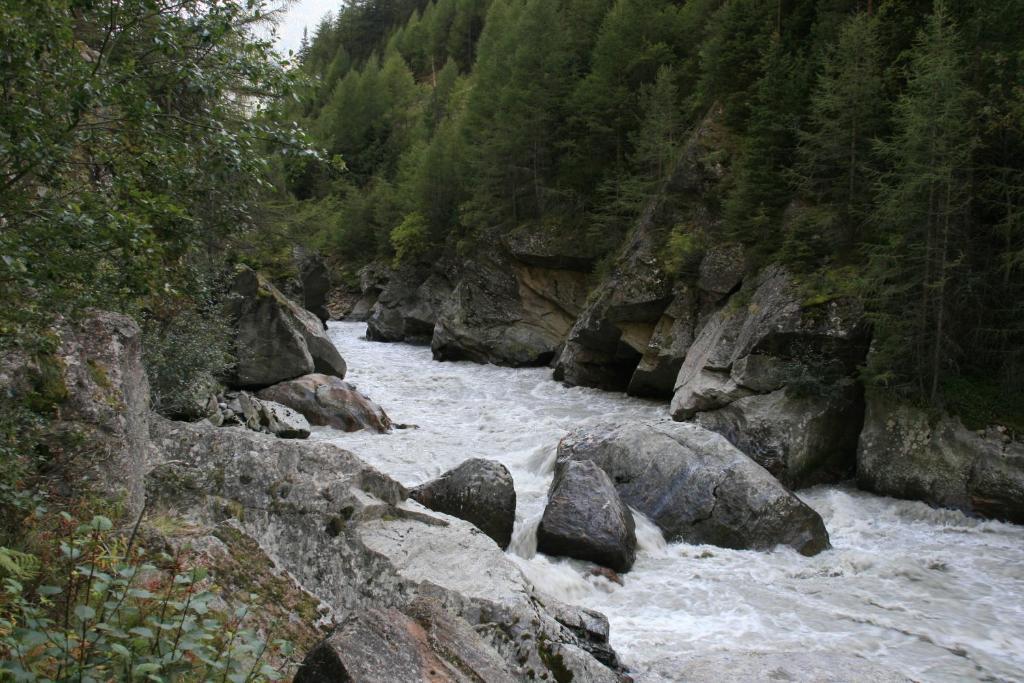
(317, 526)
(777, 376)
(515, 301)
(408, 306)
(635, 315)
(906, 453)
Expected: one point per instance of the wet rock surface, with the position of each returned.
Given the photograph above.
(585, 519)
(697, 487)
(478, 491)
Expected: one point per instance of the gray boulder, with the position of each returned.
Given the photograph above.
(242, 408)
(788, 339)
(542, 246)
(801, 440)
(275, 338)
(478, 491)
(96, 387)
(373, 278)
(586, 520)
(329, 402)
(721, 269)
(905, 453)
(282, 421)
(697, 487)
(776, 667)
(760, 350)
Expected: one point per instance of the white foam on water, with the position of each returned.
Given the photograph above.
(931, 593)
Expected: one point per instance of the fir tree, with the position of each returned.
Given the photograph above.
(924, 214)
(847, 113)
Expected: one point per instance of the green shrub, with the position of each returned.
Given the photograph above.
(187, 346)
(112, 615)
(410, 238)
(685, 247)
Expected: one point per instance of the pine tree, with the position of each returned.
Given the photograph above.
(924, 201)
(636, 38)
(847, 112)
(655, 146)
(763, 187)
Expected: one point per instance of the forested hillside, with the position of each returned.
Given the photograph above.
(873, 148)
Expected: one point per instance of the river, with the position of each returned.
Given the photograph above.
(933, 594)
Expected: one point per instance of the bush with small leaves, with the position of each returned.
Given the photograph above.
(112, 614)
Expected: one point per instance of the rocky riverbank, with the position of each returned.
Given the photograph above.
(360, 572)
(740, 350)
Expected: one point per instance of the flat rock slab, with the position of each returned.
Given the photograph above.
(697, 487)
(387, 646)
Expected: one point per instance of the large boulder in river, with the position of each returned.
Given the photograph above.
(802, 440)
(585, 519)
(509, 311)
(906, 453)
(479, 491)
(276, 339)
(327, 401)
(697, 487)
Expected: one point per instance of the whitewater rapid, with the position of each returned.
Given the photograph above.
(932, 594)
